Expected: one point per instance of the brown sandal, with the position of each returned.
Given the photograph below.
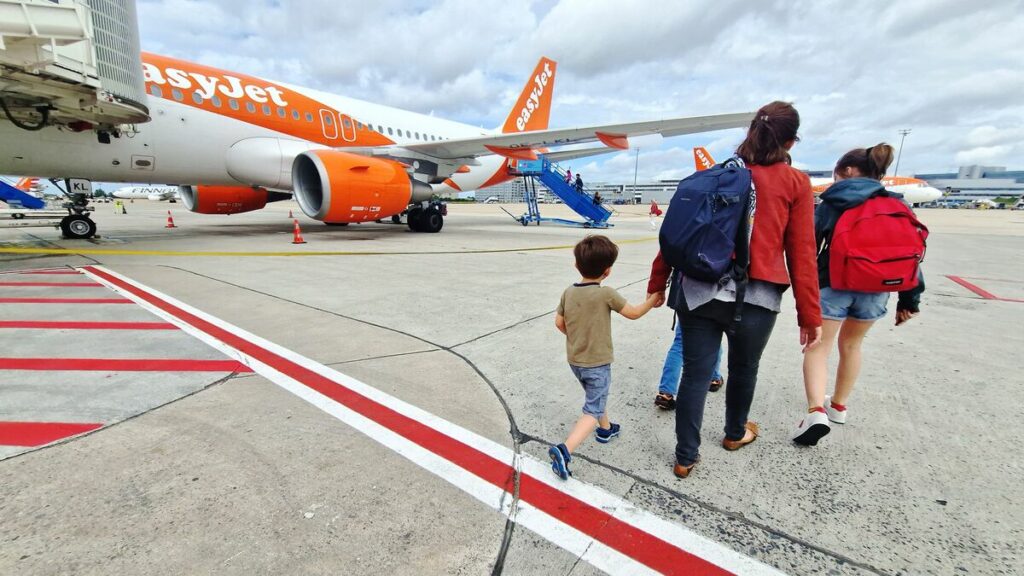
(683, 471)
(737, 444)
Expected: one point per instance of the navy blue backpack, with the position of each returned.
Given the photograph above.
(705, 235)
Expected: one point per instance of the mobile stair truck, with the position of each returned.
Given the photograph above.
(552, 177)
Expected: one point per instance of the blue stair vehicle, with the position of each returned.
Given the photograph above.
(15, 198)
(552, 176)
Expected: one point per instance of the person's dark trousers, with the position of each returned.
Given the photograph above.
(702, 336)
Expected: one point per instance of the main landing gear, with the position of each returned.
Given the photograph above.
(427, 216)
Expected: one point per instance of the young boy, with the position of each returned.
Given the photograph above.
(584, 316)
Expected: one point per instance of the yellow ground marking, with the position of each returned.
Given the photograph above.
(118, 252)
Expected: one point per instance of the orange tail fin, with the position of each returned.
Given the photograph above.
(702, 159)
(26, 184)
(533, 108)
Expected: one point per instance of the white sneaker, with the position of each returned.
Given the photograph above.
(811, 429)
(837, 416)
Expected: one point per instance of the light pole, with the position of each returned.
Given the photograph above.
(636, 165)
(903, 136)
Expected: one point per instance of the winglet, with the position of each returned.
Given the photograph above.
(533, 108)
(702, 159)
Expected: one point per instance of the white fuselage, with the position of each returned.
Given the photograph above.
(188, 144)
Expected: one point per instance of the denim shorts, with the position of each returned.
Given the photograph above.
(840, 304)
(596, 382)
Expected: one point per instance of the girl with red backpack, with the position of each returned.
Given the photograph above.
(869, 244)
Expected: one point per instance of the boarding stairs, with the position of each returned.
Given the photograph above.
(15, 198)
(553, 177)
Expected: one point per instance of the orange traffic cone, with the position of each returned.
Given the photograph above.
(298, 235)
(170, 221)
(290, 215)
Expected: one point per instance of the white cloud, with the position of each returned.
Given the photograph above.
(857, 72)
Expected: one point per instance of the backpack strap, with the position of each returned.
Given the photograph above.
(740, 271)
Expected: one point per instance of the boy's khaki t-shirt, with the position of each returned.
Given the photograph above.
(588, 323)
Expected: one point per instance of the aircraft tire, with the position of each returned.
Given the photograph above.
(413, 219)
(77, 227)
(431, 221)
(396, 219)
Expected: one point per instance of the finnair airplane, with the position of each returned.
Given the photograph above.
(914, 190)
(154, 193)
(234, 142)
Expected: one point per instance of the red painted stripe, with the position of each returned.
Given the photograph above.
(977, 290)
(87, 325)
(595, 522)
(33, 434)
(75, 272)
(123, 364)
(64, 301)
(53, 284)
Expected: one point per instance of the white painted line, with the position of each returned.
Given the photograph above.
(559, 511)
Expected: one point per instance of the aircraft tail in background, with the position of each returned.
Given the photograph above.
(702, 159)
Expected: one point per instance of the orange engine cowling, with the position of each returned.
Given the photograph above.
(227, 199)
(335, 186)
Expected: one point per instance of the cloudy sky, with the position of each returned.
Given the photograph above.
(952, 71)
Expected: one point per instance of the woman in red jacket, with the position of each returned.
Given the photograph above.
(782, 252)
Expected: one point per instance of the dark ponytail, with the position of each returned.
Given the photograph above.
(773, 126)
(870, 162)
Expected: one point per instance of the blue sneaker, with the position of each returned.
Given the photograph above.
(605, 435)
(560, 459)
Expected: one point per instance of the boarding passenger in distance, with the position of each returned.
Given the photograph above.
(781, 250)
(568, 176)
(654, 213)
(579, 183)
(849, 313)
(584, 316)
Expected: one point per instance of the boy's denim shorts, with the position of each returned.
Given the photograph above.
(865, 306)
(596, 382)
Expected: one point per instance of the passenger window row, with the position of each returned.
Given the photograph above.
(295, 114)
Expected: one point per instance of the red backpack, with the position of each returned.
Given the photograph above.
(877, 247)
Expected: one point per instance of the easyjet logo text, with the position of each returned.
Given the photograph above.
(533, 102)
(704, 162)
(208, 86)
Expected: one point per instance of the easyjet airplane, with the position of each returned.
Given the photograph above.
(234, 142)
(914, 190)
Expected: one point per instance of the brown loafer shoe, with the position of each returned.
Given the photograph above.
(737, 444)
(683, 471)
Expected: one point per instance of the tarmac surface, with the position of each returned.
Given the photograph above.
(206, 466)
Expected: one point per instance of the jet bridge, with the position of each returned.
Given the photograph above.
(71, 63)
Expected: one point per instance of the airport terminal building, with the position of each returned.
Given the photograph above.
(978, 182)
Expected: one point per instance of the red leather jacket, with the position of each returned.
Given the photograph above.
(782, 248)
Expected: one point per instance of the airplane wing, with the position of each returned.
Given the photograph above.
(566, 155)
(522, 144)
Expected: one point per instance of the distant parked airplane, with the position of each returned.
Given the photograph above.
(914, 190)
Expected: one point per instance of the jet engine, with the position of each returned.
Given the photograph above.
(336, 187)
(227, 199)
